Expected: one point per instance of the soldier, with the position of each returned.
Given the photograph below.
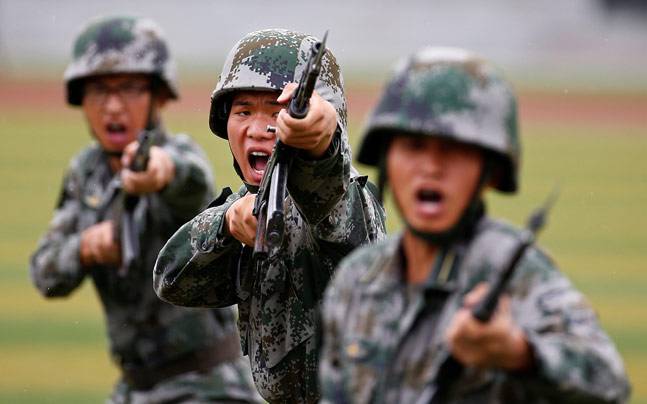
(329, 211)
(444, 131)
(122, 75)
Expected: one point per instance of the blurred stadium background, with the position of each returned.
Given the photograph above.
(580, 68)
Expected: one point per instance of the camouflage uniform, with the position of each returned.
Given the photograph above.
(165, 353)
(384, 337)
(383, 340)
(329, 211)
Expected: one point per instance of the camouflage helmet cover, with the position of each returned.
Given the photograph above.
(267, 60)
(119, 45)
(450, 93)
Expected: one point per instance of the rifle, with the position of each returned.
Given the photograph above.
(451, 369)
(268, 206)
(125, 227)
(130, 248)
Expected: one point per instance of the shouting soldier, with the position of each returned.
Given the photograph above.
(444, 131)
(329, 210)
(121, 75)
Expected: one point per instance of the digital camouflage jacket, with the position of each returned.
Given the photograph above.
(144, 332)
(383, 339)
(329, 212)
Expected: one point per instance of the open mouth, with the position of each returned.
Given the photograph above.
(258, 160)
(115, 136)
(430, 202)
(115, 128)
(429, 196)
(117, 133)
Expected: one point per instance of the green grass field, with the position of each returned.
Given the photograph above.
(55, 351)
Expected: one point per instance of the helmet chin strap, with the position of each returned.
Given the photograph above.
(381, 172)
(116, 154)
(151, 121)
(251, 188)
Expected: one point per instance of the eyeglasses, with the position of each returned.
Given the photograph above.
(97, 93)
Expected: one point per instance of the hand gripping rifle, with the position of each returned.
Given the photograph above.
(126, 232)
(268, 207)
(451, 368)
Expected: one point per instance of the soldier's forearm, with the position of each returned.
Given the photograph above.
(191, 187)
(316, 186)
(571, 351)
(55, 267)
(194, 263)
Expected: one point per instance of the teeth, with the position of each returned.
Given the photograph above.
(259, 154)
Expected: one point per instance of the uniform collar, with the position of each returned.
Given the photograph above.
(388, 269)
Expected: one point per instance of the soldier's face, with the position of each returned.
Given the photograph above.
(432, 180)
(249, 140)
(116, 107)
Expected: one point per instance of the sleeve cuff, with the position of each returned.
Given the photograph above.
(181, 173)
(331, 151)
(69, 260)
(540, 371)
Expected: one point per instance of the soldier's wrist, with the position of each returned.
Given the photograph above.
(85, 253)
(327, 152)
(519, 356)
(223, 234)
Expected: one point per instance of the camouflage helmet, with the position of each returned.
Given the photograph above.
(119, 45)
(450, 93)
(268, 60)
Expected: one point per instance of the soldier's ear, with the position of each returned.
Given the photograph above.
(159, 91)
(161, 99)
(494, 170)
